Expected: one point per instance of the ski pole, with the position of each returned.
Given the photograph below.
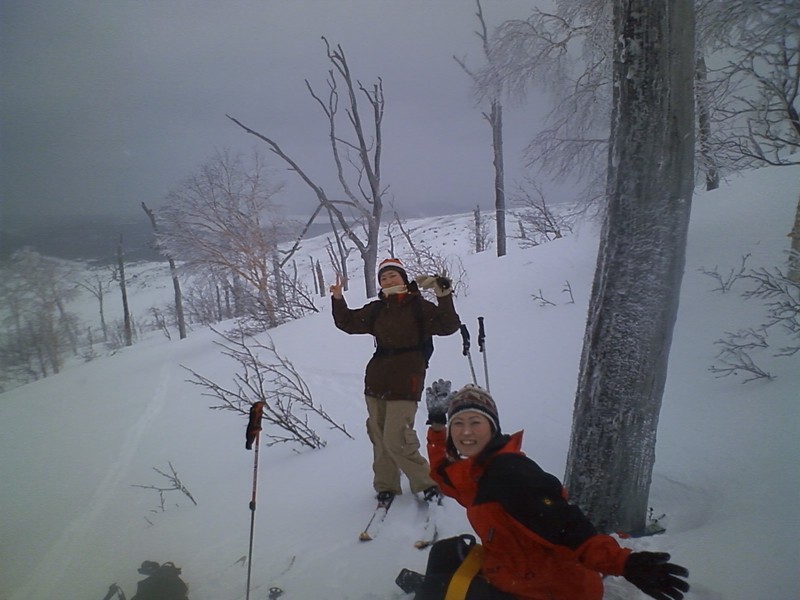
(253, 437)
(482, 348)
(465, 351)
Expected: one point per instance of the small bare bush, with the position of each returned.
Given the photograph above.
(272, 380)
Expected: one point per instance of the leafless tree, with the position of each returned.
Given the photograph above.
(98, 287)
(756, 91)
(738, 349)
(340, 255)
(479, 234)
(38, 330)
(747, 109)
(794, 251)
(357, 160)
(706, 157)
(643, 244)
(493, 90)
(781, 295)
(126, 313)
(754, 95)
(208, 301)
(223, 226)
(538, 222)
(318, 276)
(173, 271)
(566, 52)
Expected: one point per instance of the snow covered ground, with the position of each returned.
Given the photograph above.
(74, 445)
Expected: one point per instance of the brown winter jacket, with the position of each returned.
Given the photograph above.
(400, 375)
(537, 546)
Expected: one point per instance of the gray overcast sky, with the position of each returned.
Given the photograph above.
(106, 104)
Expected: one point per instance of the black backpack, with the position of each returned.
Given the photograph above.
(425, 346)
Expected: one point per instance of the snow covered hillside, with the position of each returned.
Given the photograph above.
(727, 479)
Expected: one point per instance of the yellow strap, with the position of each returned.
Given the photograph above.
(459, 584)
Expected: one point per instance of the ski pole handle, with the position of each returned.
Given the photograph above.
(465, 339)
(481, 334)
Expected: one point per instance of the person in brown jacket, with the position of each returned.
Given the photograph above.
(402, 323)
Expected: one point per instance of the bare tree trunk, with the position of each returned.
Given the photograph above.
(122, 286)
(280, 292)
(66, 324)
(317, 287)
(704, 124)
(103, 326)
(173, 270)
(794, 257)
(640, 264)
(320, 279)
(342, 252)
(479, 241)
(219, 302)
(496, 119)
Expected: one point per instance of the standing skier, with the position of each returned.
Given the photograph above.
(535, 545)
(402, 323)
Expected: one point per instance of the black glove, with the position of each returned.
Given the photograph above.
(437, 398)
(651, 573)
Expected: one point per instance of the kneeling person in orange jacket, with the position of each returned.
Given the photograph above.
(536, 545)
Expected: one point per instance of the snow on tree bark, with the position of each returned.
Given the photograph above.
(640, 264)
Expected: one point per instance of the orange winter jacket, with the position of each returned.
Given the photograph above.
(537, 545)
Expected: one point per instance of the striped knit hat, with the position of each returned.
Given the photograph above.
(393, 264)
(472, 397)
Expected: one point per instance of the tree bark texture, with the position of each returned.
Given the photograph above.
(499, 176)
(640, 264)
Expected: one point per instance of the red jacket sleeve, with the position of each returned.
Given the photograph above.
(602, 553)
(437, 453)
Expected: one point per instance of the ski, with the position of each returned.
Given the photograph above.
(430, 531)
(375, 521)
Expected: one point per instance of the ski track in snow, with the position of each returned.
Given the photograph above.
(58, 561)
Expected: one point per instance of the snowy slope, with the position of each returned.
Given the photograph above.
(73, 445)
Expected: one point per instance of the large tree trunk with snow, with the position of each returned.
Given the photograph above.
(640, 263)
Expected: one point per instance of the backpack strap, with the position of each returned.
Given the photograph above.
(462, 578)
(420, 346)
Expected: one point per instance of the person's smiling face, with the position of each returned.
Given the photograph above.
(390, 278)
(470, 432)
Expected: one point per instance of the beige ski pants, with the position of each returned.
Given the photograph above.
(395, 446)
